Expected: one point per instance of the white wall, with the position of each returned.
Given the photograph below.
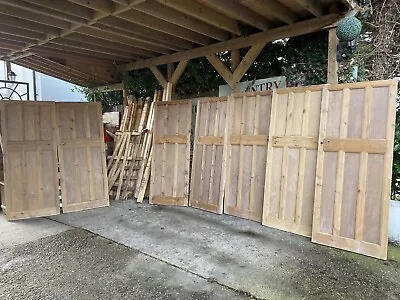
(47, 88)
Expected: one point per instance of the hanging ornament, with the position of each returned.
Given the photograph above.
(348, 29)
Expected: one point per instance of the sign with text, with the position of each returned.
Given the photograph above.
(255, 85)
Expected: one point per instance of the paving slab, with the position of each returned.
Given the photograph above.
(241, 254)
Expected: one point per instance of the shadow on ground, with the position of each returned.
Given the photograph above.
(267, 263)
(76, 264)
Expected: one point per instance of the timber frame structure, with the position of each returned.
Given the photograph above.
(93, 42)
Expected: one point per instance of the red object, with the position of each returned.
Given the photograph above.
(107, 138)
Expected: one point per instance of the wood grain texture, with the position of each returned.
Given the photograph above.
(290, 170)
(354, 167)
(83, 170)
(207, 190)
(29, 143)
(247, 142)
(170, 162)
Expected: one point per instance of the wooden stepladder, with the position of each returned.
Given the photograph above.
(247, 145)
(170, 164)
(207, 181)
(83, 171)
(292, 159)
(354, 167)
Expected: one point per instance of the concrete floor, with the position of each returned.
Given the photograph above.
(42, 259)
(197, 255)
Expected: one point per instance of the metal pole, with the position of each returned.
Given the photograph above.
(34, 86)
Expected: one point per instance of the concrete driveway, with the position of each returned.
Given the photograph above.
(137, 251)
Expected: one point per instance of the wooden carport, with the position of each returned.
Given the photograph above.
(92, 42)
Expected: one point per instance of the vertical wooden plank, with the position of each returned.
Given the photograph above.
(195, 168)
(203, 154)
(320, 162)
(254, 156)
(214, 153)
(241, 153)
(341, 162)
(269, 166)
(386, 191)
(302, 162)
(284, 174)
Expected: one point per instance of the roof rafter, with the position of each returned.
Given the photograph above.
(271, 9)
(71, 27)
(299, 28)
(134, 31)
(236, 10)
(28, 25)
(181, 19)
(313, 6)
(205, 14)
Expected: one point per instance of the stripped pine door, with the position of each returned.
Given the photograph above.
(247, 141)
(354, 167)
(207, 188)
(171, 153)
(83, 171)
(29, 142)
(292, 159)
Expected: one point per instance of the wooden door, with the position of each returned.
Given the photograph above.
(83, 171)
(248, 129)
(29, 142)
(170, 164)
(354, 167)
(207, 182)
(292, 159)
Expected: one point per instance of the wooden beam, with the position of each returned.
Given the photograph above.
(235, 59)
(43, 70)
(233, 78)
(140, 48)
(332, 76)
(105, 6)
(47, 16)
(28, 25)
(313, 6)
(181, 19)
(74, 44)
(236, 10)
(271, 9)
(178, 72)
(221, 69)
(164, 26)
(204, 13)
(246, 62)
(80, 51)
(21, 32)
(44, 11)
(160, 77)
(287, 31)
(65, 7)
(149, 34)
(127, 29)
(32, 16)
(170, 70)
